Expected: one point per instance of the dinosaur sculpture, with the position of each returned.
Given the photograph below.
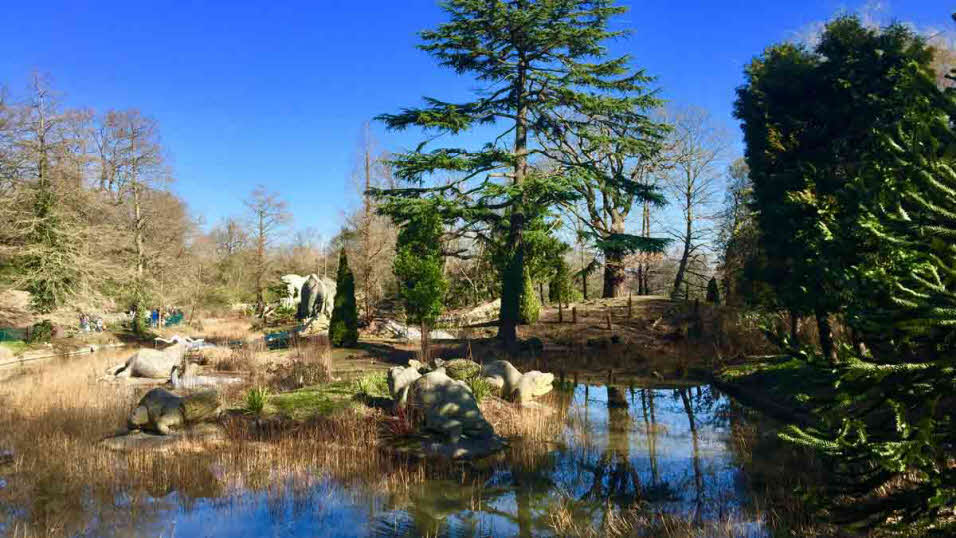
(155, 363)
(161, 411)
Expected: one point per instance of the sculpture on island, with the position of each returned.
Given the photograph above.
(155, 363)
(515, 386)
(161, 411)
(312, 296)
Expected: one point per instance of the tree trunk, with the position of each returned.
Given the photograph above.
(512, 283)
(794, 326)
(138, 231)
(613, 274)
(260, 263)
(426, 342)
(685, 256)
(826, 336)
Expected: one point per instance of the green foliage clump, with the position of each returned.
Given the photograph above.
(419, 266)
(343, 328)
(542, 66)
(529, 306)
(560, 288)
(713, 292)
(863, 176)
(462, 369)
(256, 400)
(373, 385)
(41, 332)
(480, 388)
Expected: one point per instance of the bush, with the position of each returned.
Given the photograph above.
(529, 308)
(41, 332)
(713, 292)
(372, 385)
(480, 388)
(343, 328)
(256, 400)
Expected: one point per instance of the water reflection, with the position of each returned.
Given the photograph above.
(665, 449)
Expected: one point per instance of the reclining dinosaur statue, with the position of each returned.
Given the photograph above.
(155, 363)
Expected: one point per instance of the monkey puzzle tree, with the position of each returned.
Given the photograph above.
(544, 69)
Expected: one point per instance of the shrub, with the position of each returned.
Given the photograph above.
(41, 332)
(480, 388)
(529, 307)
(256, 400)
(343, 327)
(713, 292)
(372, 385)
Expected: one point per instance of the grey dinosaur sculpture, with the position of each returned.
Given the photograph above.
(155, 363)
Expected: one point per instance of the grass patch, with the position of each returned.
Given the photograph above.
(15, 346)
(312, 401)
(374, 385)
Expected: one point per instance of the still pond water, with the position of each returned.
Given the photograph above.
(671, 449)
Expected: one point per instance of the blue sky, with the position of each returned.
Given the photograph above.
(277, 92)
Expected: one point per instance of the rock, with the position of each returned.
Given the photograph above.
(462, 369)
(531, 385)
(448, 407)
(503, 375)
(176, 441)
(162, 411)
(393, 329)
(399, 379)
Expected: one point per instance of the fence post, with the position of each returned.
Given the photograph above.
(629, 306)
(608, 313)
(574, 314)
(560, 312)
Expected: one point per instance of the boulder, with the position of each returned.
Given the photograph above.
(462, 369)
(161, 411)
(502, 375)
(400, 378)
(448, 407)
(531, 385)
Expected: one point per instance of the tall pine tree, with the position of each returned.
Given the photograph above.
(543, 69)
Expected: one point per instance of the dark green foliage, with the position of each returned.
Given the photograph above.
(713, 292)
(48, 263)
(542, 66)
(419, 266)
(855, 197)
(530, 306)
(559, 289)
(140, 321)
(41, 332)
(343, 327)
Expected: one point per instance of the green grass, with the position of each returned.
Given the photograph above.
(318, 400)
(15, 346)
(374, 385)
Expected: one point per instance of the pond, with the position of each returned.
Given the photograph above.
(671, 451)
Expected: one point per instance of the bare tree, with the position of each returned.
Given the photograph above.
(373, 234)
(697, 150)
(268, 214)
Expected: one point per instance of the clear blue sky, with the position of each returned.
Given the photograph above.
(276, 92)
